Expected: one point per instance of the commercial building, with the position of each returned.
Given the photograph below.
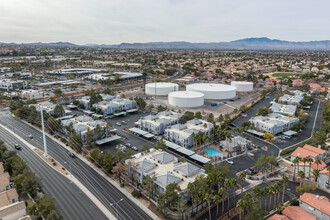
(157, 124)
(289, 99)
(186, 99)
(165, 167)
(213, 91)
(161, 88)
(283, 109)
(274, 123)
(13, 84)
(31, 94)
(182, 133)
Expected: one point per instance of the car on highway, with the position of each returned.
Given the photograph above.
(30, 136)
(17, 147)
(135, 148)
(230, 161)
(72, 155)
(244, 115)
(118, 123)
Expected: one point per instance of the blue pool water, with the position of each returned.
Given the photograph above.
(212, 152)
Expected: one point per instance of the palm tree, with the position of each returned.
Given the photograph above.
(265, 193)
(258, 193)
(271, 191)
(310, 160)
(233, 183)
(285, 180)
(191, 189)
(317, 162)
(207, 198)
(278, 187)
(305, 160)
(295, 162)
(217, 199)
(242, 205)
(316, 174)
(301, 175)
(242, 177)
(222, 194)
(227, 185)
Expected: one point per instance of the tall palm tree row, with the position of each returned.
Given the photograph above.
(295, 163)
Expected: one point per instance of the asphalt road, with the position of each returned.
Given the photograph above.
(70, 201)
(97, 185)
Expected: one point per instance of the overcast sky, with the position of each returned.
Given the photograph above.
(117, 21)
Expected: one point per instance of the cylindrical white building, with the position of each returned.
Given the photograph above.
(161, 88)
(242, 86)
(186, 99)
(213, 91)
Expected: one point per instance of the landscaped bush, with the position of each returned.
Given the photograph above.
(289, 150)
(136, 194)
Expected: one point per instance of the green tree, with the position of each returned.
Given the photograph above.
(108, 162)
(242, 205)
(305, 188)
(198, 115)
(58, 92)
(59, 111)
(295, 161)
(96, 157)
(144, 150)
(75, 142)
(220, 118)
(149, 186)
(210, 118)
(285, 181)
(316, 174)
(31, 184)
(160, 144)
(301, 175)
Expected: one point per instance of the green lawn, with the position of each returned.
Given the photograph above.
(283, 74)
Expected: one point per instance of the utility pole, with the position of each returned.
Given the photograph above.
(43, 131)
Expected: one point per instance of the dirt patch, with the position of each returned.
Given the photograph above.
(52, 162)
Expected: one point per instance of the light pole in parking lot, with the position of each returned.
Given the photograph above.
(116, 204)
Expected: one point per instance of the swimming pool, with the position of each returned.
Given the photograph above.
(212, 152)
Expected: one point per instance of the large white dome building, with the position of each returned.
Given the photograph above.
(186, 99)
(242, 86)
(213, 91)
(161, 88)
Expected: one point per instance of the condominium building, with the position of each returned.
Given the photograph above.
(115, 105)
(283, 109)
(157, 124)
(182, 134)
(165, 167)
(274, 123)
(235, 143)
(292, 100)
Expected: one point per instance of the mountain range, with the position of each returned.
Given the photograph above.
(262, 43)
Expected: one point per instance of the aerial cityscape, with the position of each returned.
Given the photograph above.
(191, 110)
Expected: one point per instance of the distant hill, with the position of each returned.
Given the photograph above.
(262, 43)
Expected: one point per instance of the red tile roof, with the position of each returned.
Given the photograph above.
(313, 165)
(325, 171)
(318, 202)
(298, 213)
(302, 153)
(314, 149)
(278, 217)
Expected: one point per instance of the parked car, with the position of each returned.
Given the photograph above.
(17, 147)
(30, 136)
(123, 148)
(118, 123)
(252, 171)
(124, 122)
(128, 145)
(135, 148)
(230, 161)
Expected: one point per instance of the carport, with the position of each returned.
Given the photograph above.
(132, 110)
(119, 113)
(185, 151)
(290, 133)
(107, 140)
(200, 159)
(257, 133)
(172, 145)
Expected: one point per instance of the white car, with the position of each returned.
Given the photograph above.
(134, 148)
(118, 123)
(230, 161)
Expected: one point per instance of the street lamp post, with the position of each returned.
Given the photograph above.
(116, 204)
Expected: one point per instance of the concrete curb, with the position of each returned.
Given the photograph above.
(127, 194)
(103, 209)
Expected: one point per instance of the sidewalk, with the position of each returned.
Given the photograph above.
(127, 194)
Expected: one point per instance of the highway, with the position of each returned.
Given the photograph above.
(103, 190)
(70, 201)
